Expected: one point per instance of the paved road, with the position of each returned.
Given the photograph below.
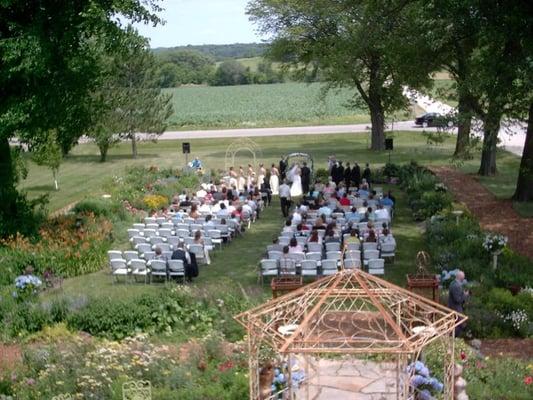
(285, 131)
(512, 136)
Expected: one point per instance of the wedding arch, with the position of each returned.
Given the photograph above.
(244, 144)
(350, 313)
(299, 157)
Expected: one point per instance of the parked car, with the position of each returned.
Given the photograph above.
(435, 120)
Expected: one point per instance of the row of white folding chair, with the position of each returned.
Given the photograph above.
(139, 267)
(376, 266)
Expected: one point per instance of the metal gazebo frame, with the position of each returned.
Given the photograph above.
(305, 156)
(351, 313)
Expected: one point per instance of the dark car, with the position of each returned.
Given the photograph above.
(434, 120)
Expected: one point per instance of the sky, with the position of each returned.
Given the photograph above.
(201, 22)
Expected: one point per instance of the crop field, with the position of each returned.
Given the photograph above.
(247, 106)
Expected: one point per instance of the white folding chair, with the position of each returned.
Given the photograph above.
(376, 266)
(182, 233)
(173, 241)
(284, 241)
(268, 268)
(301, 240)
(130, 255)
(216, 236)
(133, 232)
(274, 255)
(119, 268)
(314, 247)
(309, 268)
(369, 246)
(388, 250)
(138, 268)
(162, 246)
(369, 255)
(155, 240)
(329, 267)
(198, 251)
(148, 255)
(139, 227)
(158, 268)
(165, 232)
(352, 263)
(287, 266)
(333, 246)
(114, 254)
(315, 256)
(148, 233)
(167, 225)
(297, 257)
(353, 246)
(149, 220)
(176, 268)
(333, 255)
(160, 220)
(143, 248)
(352, 254)
(137, 240)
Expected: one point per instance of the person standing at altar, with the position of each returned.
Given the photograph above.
(367, 174)
(261, 175)
(233, 177)
(356, 175)
(250, 177)
(348, 176)
(282, 169)
(241, 181)
(306, 178)
(274, 180)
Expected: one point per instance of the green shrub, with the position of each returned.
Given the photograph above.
(322, 174)
(98, 207)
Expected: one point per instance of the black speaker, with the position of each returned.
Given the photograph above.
(186, 147)
(389, 144)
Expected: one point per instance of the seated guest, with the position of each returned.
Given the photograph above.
(345, 201)
(371, 238)
(194, 214)
(388, 199)
(294, 247)
(296, 217)
(300, 230)
(209, 223)
(185, 202)
(353, 238)
(325, 210)
(382, 213)
(189, 261)
(315, 205)
(315, 237)
(198, 239)
(353, 215)
(159, 254)
(386, 237)
(223, 212)
(320, 222)
(275, 245)
(370, 214)
(331, 238)
(288, 227)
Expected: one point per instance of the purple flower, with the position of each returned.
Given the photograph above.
(30, 381)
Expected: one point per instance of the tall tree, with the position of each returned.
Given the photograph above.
(46, 71)
(143, 107)
(367, 45)
(524, 183)
(47, 153)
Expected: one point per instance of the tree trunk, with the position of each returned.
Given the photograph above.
(464, 123)
(8, 198)
(134, 145)
(103, 152)
(524, 183)
(491, 127)
(378, 127)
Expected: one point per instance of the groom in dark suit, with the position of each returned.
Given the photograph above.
(306, 178)
(282, 169)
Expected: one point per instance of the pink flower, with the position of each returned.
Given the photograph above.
(528, 380)
(463, 355)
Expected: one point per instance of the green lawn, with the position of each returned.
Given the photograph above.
(81, 173)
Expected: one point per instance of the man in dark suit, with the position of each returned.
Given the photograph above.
(356, 175)
(282, 169)
(334, 172)
(189, 262)
(348, 175)
(457, 297)
(306, 178)
(340, 173)
(367, 174)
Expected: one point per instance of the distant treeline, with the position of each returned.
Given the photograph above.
(187, 65)
(220, 52)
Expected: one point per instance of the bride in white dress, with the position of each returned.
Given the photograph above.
(274, 180)
(296, 179)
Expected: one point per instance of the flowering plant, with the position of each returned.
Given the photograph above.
(494, 243)
(422, 382)
(155, 201)
(518, 319)
(26, 286)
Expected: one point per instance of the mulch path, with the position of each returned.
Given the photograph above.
(9, 356)
(493, 214)
(517, 348)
